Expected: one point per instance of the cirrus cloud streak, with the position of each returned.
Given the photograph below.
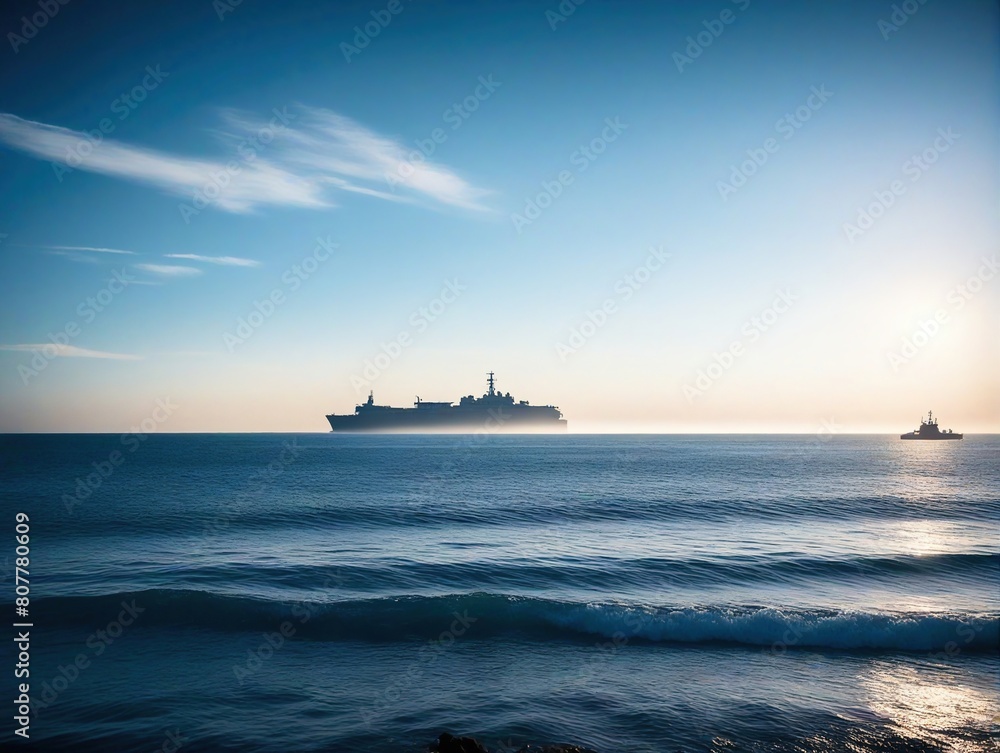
(68, 351)
(319, 153)
(226, 261)
(169, 270)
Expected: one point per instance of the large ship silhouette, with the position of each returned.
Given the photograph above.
(929, 430)
(491, 412)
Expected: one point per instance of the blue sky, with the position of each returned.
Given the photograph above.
(256, 154)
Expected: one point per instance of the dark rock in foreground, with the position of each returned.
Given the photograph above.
(448, 743)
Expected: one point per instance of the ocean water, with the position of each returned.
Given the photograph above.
(627, 593)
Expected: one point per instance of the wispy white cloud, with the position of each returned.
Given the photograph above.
(75, 256)
(84, 254)
(229, 261)
(346, 152)
(169, 270)
(68, 351)
(74, 253)
(91, 248)
(316, 154)
(189, 354)
(259, 183)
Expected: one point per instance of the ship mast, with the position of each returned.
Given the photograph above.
(490, 381)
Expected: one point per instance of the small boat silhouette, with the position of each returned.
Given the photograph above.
(929, 430)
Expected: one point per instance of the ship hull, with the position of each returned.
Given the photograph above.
(911, 435)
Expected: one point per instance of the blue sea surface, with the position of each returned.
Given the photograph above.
(323, 592)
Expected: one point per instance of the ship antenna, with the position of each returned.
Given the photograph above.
(490, 382)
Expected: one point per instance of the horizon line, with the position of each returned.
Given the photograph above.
(825, 435)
